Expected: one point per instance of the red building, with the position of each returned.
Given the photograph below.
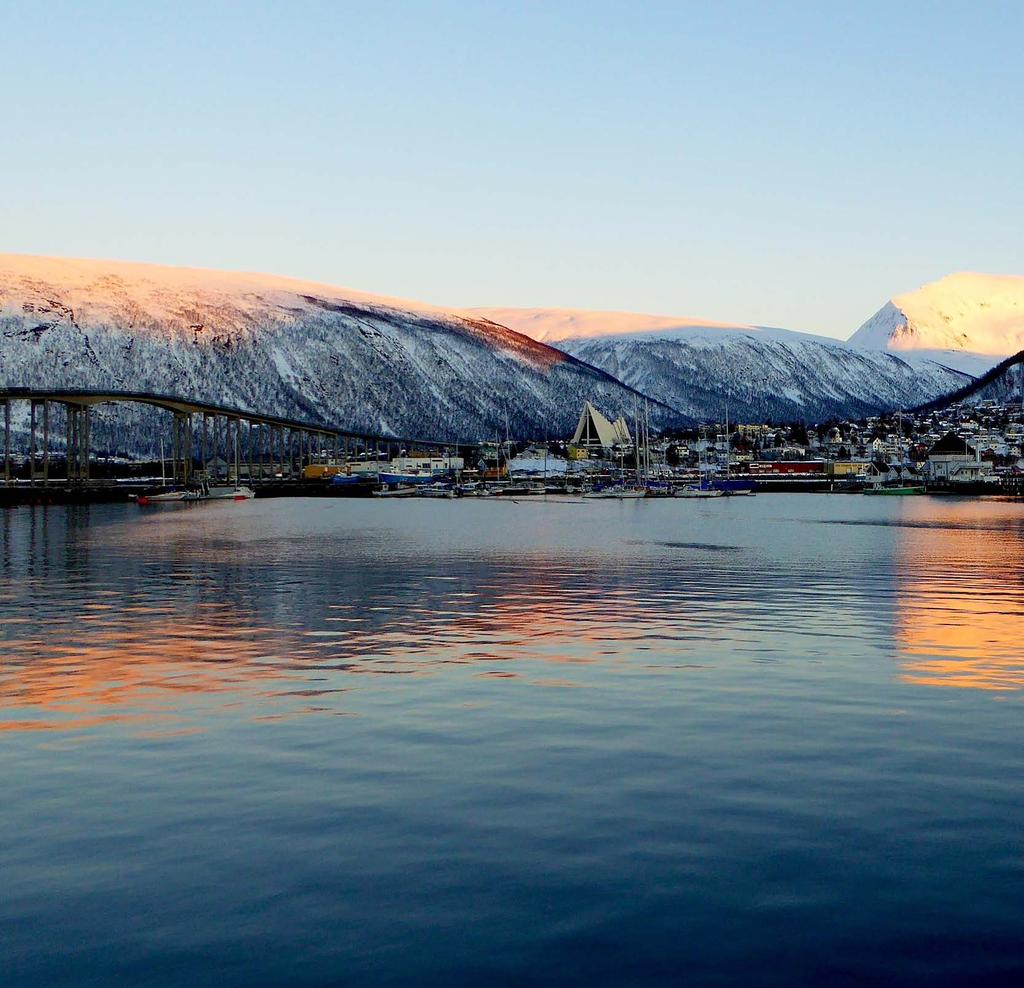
(779, 468)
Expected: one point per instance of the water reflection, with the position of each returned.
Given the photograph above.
(960, 593)
(476, 743)
(162, 621)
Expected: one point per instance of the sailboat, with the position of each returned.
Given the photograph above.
(729, 486)
(163, 494)
(225, 492)
(702, 488)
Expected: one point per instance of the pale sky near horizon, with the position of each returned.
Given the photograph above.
(788, 164)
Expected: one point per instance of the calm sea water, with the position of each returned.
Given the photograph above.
(769, 741)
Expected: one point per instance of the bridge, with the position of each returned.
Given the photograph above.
(271, 448)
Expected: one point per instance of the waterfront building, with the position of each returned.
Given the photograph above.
(952, 460)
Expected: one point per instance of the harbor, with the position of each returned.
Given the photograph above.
(216, 453)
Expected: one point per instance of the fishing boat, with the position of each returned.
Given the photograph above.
(896, 490)
(406, 479)
(346, 479)
(437, 490)
(385, 491)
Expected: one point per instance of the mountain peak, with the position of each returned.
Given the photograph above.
(963, 313)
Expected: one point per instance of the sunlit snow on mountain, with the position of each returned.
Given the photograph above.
(702, 367)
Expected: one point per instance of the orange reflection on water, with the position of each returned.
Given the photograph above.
(98, 666)
(960, 603)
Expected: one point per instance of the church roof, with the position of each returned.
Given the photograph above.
(951, 444)
(593, 429)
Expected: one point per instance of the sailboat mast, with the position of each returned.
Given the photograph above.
(647, 439)
(636, 439)
(728, 442)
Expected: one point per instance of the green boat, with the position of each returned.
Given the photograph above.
(897, 491)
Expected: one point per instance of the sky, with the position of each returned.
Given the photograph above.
(786, 164)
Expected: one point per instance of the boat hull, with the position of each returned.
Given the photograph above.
(895, 491)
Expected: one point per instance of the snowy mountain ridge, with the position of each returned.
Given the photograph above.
(291, 348)
(759, 372)
(557, 326)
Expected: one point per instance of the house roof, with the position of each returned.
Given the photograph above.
(951, 444)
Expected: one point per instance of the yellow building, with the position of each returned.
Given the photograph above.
(847, 468)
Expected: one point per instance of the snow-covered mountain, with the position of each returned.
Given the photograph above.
(969, 321)
(761, 373)
(286, 347)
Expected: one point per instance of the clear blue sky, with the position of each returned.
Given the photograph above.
(787, 164)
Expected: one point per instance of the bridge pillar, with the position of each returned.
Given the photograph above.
(248, 448)
(236, 449)
(32, 442)
(69, 440)
(86, 440)
(71, 424)
(46, 442)
(7, 442)
(175, 436)
(229, 449)
(39, 458)
(204, 442)
(181, 447)
(78, 431)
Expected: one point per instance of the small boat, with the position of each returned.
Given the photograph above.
(437, 490)
(228, 492)
(700, 492)
(615, 492)
(385, 491)
(406, 479)
(161, 497)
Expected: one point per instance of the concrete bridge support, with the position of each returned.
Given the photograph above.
(39, 457)
(77, 436)
(181, 447)
(7, 442)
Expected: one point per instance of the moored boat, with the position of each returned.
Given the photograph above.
(896, 490)
(703, 492)
(161, 497)
(615, 492)
(408, 491)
